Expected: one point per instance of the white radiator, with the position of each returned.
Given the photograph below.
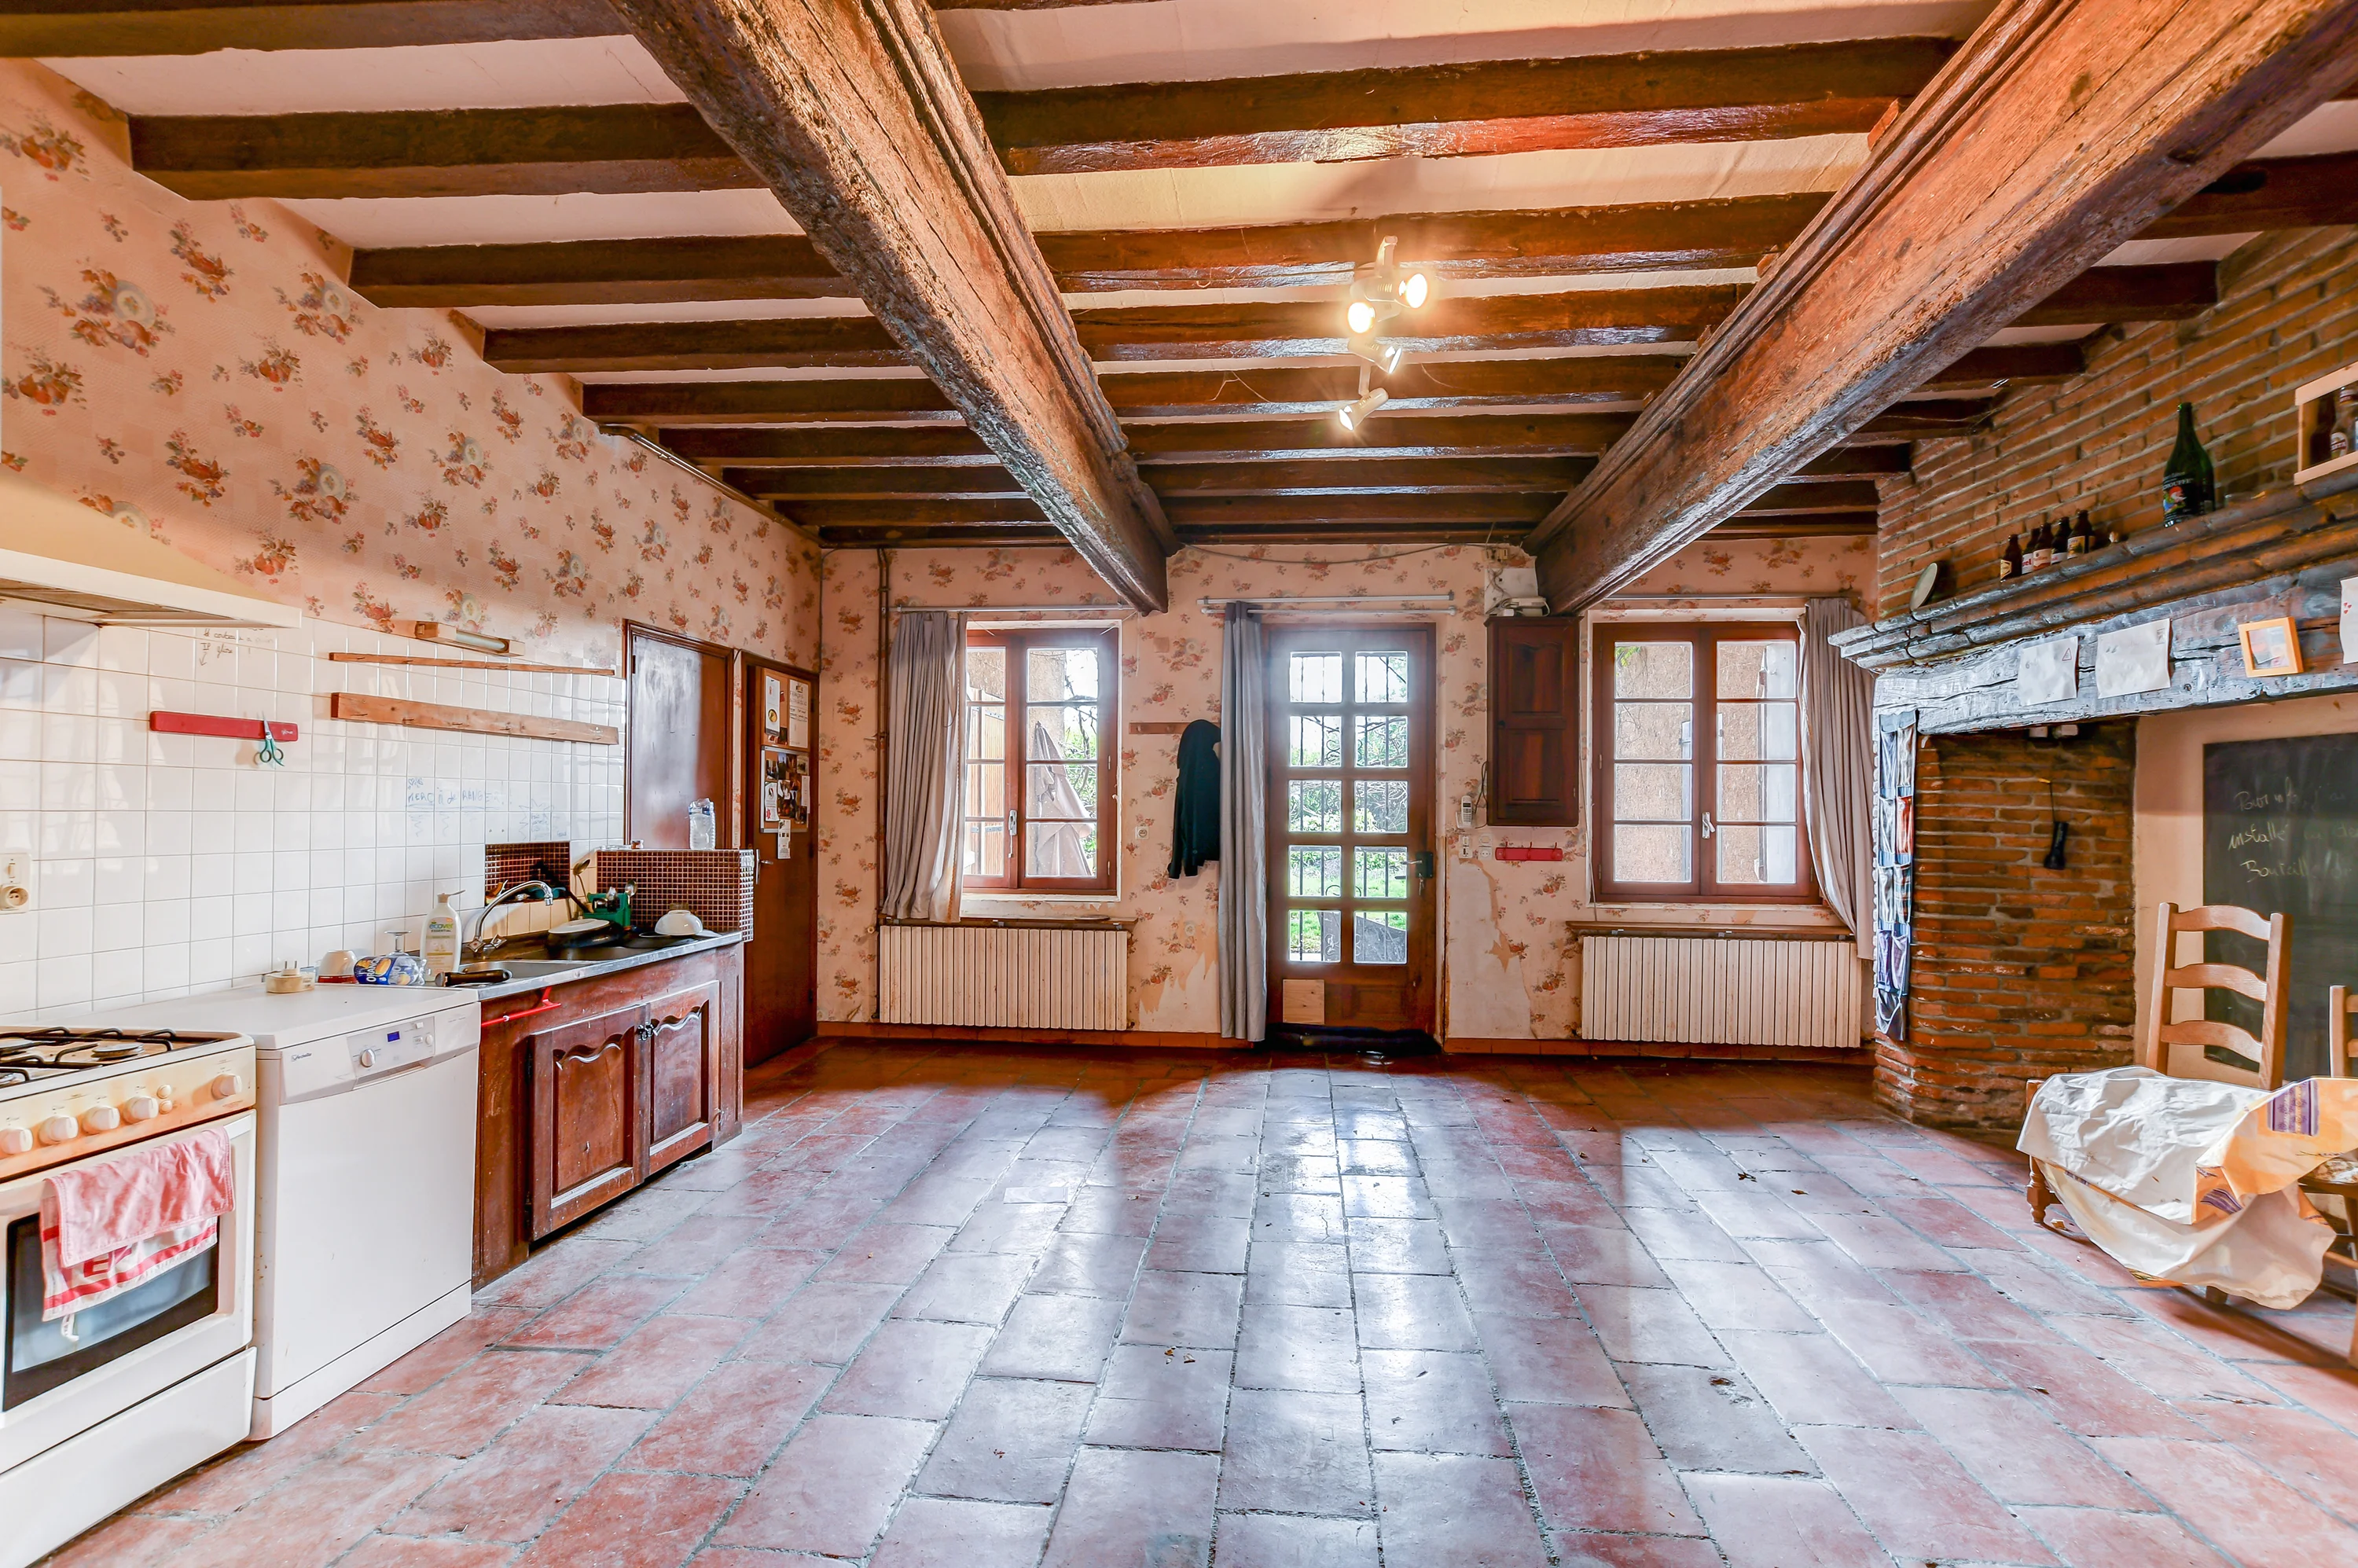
(1721, 990)
(1004, 976)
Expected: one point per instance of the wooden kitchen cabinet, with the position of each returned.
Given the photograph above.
(588, 1088)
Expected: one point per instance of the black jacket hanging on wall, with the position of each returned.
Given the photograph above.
(1195, 817)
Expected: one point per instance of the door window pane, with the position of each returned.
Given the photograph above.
(1313, 677)
(1753, 792)
(986, 674)
(1380, 936)
(1762, 856)
(1759, 731)
(1643, 854)
(1653, 670)
(1314, 935)
(1317, 740)
(1311, 871)
(1653, 792)
(1061, 675)
(1648, 731)
(1059, 793)
(986, 733)
(1769, 669)
(1382, 677)
(1380, 805)
(986, 849)
(1379, 873)
(1380, 741)
(1061, 849)
(1314, 806)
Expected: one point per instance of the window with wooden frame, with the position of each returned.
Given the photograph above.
(1698, 772)
(1040, 782)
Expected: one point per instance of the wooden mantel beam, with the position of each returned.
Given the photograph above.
(854, 116)
(2061, 129)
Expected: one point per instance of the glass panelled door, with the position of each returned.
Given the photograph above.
(1350, 809)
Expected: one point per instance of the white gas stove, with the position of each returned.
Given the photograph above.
(101, 1406)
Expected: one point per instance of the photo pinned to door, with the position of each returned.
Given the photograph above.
(1892, 820)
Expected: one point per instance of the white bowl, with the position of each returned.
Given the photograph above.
(679, 922)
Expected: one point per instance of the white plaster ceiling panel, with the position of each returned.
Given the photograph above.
(698, 310)
(371, 222)
(2006, 337)
(2327, 128)
(1204, 40)
(513, 74)
(1309, 192)
(2193, 248)
(1443, 288)
(773, 372)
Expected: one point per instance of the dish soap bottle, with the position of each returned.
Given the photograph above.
(441, 946)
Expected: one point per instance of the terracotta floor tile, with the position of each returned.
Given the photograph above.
(1396, 1246)
(439, 1356)
(514, 1489)
(823, 1322)
(1944, 1222)
(636, 1521)
(1299, 1273)
(407, 1551)
(1899, 1344)
(2154, 1357)
(2014, 1448)
(1308, 1348)
(1604, 1255)
(694, 1246)
(1412, 1311)
(1941, 1512)
(551, 1274)
(1195, 1309)
(1569, 1201)
(2299, 1447)
(1539, 1360)
(1295, 1453)
(660, 1361)
(750, 1284)
(1703, 1420)
(1010, 1441)
(1969, 1306)
(732, 1421)
(1432, 1401)
(945, 1533)
(465, 1411)
(1782, 1521)
(1486, 1224)
(886, 1254)
(1598, 1470)
(2247, 1513)
(1192, 1242)
(967, 1288)
(247, 1471)
(1517, 1284)
(1746, 1213)
(317, 1513)
(1062, 1337)
(1455, 1509)
(764, 1193)
(2089, 1538)
(1648, 1326)
(911, 1369)
(1162, 1398)
(2083, 1393)
(597, 1315)
(1737, 1297)
(128, 1540)
(833, 1487)
(1685, 1233)
(1127, 1505)
(1590, 1549)
(1087, 1264)
(1275, 1540)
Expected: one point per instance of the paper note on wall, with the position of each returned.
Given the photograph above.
(2350, 619)
(798, 704)
(2049, 672)
(2133, 659)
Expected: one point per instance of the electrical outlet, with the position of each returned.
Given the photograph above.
(16, 892)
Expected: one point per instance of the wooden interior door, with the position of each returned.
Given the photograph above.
(681, 743)
(589, 1136)
(1352, 938)
(678, 1051)
(781, 960)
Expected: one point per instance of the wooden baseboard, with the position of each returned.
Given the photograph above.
(1125, 1039)
(1488, 1045)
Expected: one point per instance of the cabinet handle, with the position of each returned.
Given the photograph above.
(547, 1003)
(586, 1056)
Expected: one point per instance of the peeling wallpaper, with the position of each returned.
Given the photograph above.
(1508, 971)
(196, 370)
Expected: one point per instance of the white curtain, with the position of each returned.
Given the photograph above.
(924, 766)
(1838, 767)
(1244, 843)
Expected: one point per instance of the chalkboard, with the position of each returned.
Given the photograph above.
(2280, 834)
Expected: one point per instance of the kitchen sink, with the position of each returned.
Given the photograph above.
(537, 968)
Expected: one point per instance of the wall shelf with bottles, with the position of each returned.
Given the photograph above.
(2325, 408)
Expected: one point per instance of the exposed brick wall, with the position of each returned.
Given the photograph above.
(2288, 314)
(2018, 971)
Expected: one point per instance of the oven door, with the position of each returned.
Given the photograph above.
(59, 1377)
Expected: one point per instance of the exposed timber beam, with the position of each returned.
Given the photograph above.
(856, 117)
(1821, 495)
(1853, 462)
(35, 29)
(1796, 525)
(2062, 129)
(2267, 193)
(1449, 111)
(2172, 291)
(1418, 476)
(871, 482)
(1517, 513)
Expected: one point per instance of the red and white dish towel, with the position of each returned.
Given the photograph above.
(108, 1227)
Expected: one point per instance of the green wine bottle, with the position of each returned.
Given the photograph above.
(2186, 484)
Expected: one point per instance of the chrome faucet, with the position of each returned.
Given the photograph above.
(532, 888)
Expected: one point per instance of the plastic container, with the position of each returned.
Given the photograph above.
(440, 948)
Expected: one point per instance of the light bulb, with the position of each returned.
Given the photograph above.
(1361, 317)
(1354, 414)
(1385, 357)
(1415, 289)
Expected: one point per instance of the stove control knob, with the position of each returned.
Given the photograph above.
(141, 1108)
(15, 1139)
(59, 1130)
(101, 1119)
(228, 1085)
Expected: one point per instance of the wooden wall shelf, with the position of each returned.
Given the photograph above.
(474, 720)
(465, 664)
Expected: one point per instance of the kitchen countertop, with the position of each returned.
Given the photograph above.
(590, 968)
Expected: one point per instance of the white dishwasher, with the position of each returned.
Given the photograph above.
(364, 1182)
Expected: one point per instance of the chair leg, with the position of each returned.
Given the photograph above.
(2039, 1195)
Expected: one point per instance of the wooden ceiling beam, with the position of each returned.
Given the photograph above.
(666, 271)
(2063, 128)
(1330, 476)
(870, 482)
(42, 29)
(854, 116)
(1796, 525)
(1452, 110)
(1850, 462)
(2266, 193)
(2172, 291)
(1818, 495)
(913, 511)
(1519, 511)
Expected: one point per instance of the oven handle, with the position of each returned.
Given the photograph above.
(547, 1004)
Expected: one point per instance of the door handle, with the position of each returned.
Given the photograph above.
(1708, 830)
(1424, 863)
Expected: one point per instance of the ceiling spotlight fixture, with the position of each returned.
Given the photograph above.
(1361, 315)
(1385, 357)
(1354, 414)
(1380, 290)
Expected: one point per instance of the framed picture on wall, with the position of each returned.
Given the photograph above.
(2270, 647)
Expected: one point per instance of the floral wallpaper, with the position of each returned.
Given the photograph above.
(198, 371)
(1508, 972)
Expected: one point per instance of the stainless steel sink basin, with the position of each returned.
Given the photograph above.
(538, 969)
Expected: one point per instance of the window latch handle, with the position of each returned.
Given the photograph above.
(1707, 829)
(1424, 863)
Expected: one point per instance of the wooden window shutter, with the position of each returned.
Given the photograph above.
(1535, 722)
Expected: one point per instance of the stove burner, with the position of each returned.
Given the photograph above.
(56, 1048)
(9, 1078)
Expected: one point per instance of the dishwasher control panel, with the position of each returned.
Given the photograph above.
(337, 1062)
(391, 1048)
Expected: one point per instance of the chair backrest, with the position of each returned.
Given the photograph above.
(2181, 1049)
(2341, 1052)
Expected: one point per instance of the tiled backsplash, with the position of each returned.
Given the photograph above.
(715, 885)
(162, 864)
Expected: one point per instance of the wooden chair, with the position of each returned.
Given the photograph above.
(2338, 1201)
(2183, 1048)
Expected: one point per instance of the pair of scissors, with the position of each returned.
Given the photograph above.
(270, 753)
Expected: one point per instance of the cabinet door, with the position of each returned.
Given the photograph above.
(1534, 723)
(589, 1144)
(682, 1072)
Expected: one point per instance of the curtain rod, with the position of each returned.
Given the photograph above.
(1283, 601)
(1016, 609)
